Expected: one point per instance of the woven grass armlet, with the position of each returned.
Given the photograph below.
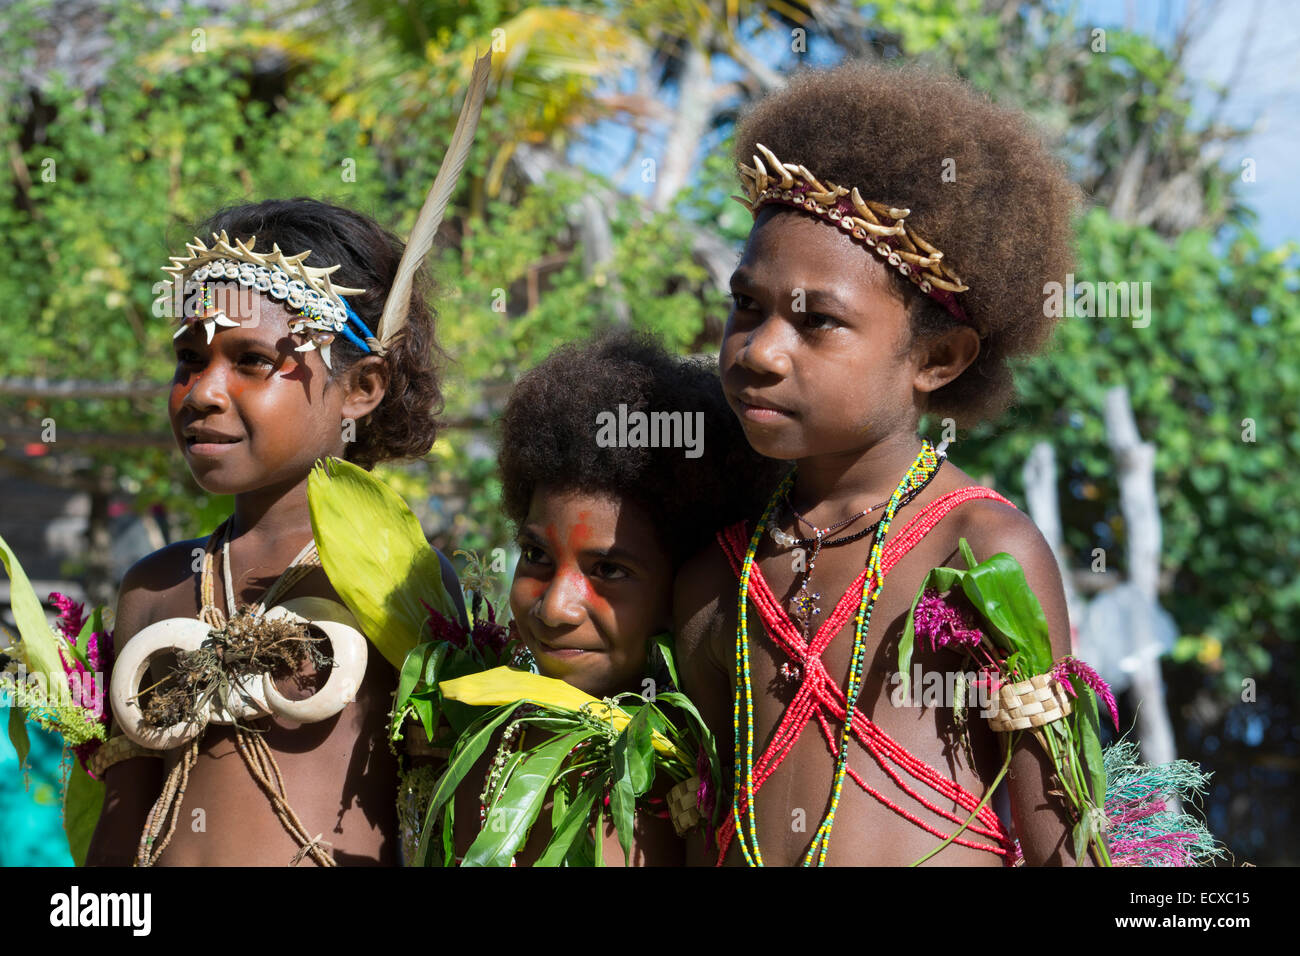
(683, 806)
(1031, 703)
(116, 750)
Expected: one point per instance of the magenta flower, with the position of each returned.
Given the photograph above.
(1072, 665)
(705, 799)
(99, 654)
(443, 628)
(944, 624)
(487, 635)
(72, 616)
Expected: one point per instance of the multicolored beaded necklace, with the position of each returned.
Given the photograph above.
(919, 473)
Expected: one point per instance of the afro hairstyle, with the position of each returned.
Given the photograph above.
(549, 439)
(980, 182)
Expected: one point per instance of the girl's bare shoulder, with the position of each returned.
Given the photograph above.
(155, 587)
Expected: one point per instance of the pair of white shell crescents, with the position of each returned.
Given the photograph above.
(251, 697)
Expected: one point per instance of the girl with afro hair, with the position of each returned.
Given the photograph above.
(904, 229)
(605, 519)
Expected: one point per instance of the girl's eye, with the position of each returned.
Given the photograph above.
(741, 303)
(532, 554)
(815, 320)
(255, 358)
(609, 571)
(187, 357)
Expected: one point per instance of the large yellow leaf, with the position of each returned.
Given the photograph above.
(376, 556)
(505, 685)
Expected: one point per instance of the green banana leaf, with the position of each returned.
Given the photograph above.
(376, 556)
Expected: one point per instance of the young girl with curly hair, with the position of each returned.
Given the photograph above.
(279, 363)
(904, 228)
(604, 521)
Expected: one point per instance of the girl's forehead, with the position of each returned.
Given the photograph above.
(801, 249)
(592, 521)
(258, 316)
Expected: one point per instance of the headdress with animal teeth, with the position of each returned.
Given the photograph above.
(307, 290)
(879, 226)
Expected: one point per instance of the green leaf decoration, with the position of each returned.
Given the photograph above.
(471, 747)
(83, 801)
(1080, 841)
(702, 734)
(1087, 728)
(571, 828)
(622, 797)
(664, 643)
(39, 643)
(999, 592)
(520, 803)
(18, 733)
(410, 674)
(374, 551)
(640, 752)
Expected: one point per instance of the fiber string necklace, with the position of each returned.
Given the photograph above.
(918, 475)
(802, 607)
(252, 746)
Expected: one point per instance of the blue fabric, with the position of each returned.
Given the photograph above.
(31, 820)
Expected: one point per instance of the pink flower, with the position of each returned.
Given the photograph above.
(443, 628)
(1072, 665)
(72, 616)
(705, 799)
(487, 635)
(944, 624)
(99, 657)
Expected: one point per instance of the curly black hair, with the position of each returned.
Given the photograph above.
(405, 424)
(549, 439)
(980, 182)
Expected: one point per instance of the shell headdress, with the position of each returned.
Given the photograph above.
(319, 303)
(879, 226)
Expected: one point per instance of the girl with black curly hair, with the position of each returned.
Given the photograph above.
(279, 363)
(904, 230)
(605, 517)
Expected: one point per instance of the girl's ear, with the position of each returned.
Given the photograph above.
(365, 385)
(946, 358)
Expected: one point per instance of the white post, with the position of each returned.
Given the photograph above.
(1135, 460)
(1039, 475)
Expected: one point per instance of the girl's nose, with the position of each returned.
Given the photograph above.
(764, 351)
(561, 605)
(208, 391)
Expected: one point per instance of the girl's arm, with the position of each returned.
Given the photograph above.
(1042, 820)
(132, 786)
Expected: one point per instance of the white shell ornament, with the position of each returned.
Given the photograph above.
(252, 697)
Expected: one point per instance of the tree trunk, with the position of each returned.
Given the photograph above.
(691, 122)
(1137, 488)
(1044, 507)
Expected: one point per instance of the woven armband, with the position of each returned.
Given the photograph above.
(115, 751)
(683, 805)
(1029, 703)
